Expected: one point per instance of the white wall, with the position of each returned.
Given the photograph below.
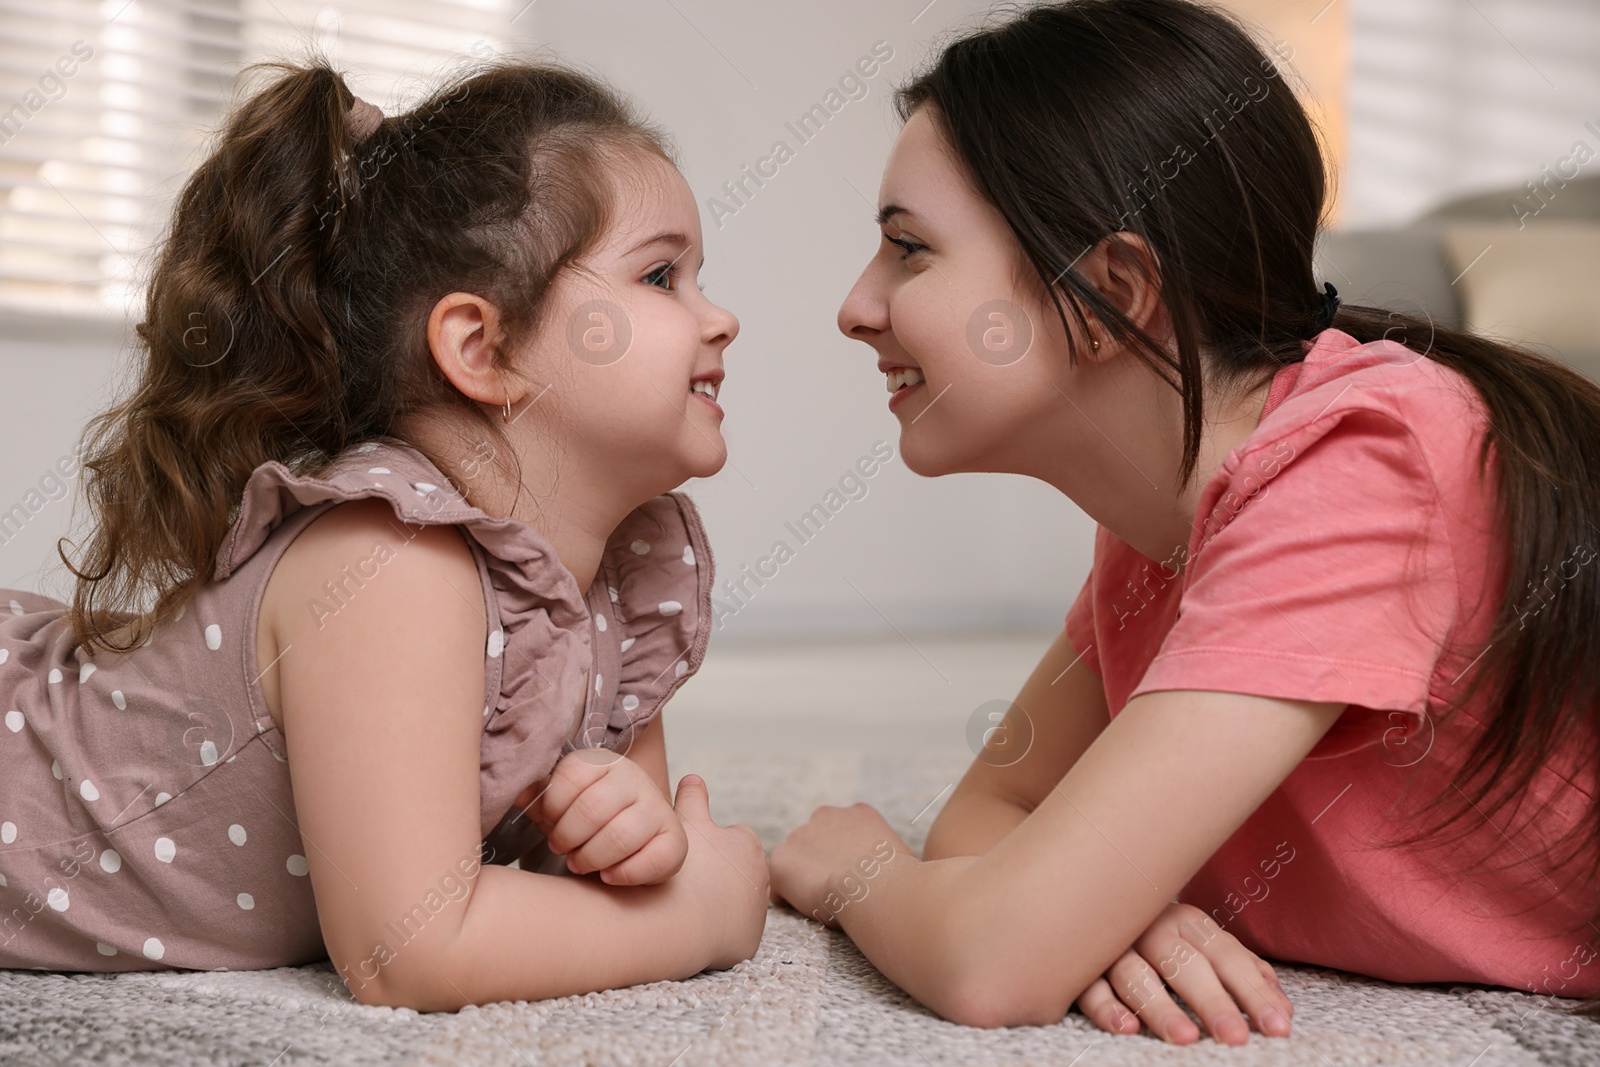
(804, 404)
(1441, 101)
(53, 377)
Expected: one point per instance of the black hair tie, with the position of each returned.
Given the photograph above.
(1330, 304)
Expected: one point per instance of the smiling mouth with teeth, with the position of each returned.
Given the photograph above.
(705, 388)
(902, 378)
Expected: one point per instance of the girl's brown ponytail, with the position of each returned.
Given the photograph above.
(285, 317)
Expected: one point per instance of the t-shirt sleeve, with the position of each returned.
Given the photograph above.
(1329, 579)
(1080, 625)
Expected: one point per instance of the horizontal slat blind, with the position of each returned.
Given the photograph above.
(106, 105)
(1455, 97)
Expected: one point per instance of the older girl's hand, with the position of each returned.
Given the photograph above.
(828, 861)
(604, 813)
(1207, 966)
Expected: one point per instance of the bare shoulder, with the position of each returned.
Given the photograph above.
(354, 552)
(379, 630)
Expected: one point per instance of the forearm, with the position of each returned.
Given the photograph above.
(908, 924)
(528, 936)
(971, 823)
(949, 934)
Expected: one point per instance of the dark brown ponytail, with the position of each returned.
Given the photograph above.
(285, 317)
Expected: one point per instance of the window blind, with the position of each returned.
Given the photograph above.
(1454, 97)
(106, 106)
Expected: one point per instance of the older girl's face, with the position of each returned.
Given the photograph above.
(970, 351)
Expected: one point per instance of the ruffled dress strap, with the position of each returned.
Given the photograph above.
(563, 669)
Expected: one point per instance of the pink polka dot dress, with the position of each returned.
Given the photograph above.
(146, 817)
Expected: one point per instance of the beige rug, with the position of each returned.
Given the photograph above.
(775, 733)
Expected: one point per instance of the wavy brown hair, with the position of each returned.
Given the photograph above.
(286, 313)
(1065, 117)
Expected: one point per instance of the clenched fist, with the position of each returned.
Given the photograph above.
(604, 813)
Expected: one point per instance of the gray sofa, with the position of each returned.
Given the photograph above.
(1519, 264)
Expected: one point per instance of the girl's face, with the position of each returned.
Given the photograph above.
(627, 358)
(970, 350)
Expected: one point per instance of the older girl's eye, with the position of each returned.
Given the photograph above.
(908, 247)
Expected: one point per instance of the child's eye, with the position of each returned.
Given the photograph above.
(662, 276)
(909, 247)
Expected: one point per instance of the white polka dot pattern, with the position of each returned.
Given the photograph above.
(195, 876)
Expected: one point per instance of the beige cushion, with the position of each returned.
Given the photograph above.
(1538, 285)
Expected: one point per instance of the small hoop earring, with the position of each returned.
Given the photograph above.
(506, 416)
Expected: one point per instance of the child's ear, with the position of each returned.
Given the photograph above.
(464, 337)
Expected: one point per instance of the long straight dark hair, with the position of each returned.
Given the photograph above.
(1074, 120)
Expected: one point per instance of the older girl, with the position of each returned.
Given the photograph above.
(1331, 683)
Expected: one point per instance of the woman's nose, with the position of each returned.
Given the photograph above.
(864, 313)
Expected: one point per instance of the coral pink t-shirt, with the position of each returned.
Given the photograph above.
(1343, 553)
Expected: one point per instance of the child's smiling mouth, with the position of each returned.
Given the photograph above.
(705, 386)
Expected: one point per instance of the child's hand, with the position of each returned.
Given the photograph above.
(604, 813)
(724, 878)
(1206, 965)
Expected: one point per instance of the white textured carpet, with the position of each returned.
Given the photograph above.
(775, 733)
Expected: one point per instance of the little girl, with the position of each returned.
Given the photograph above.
(387, 586)
(1343, 580)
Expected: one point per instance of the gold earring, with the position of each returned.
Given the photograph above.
(507, 415)
(1096, 345)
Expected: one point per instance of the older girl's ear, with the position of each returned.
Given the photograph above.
(1127, 272)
